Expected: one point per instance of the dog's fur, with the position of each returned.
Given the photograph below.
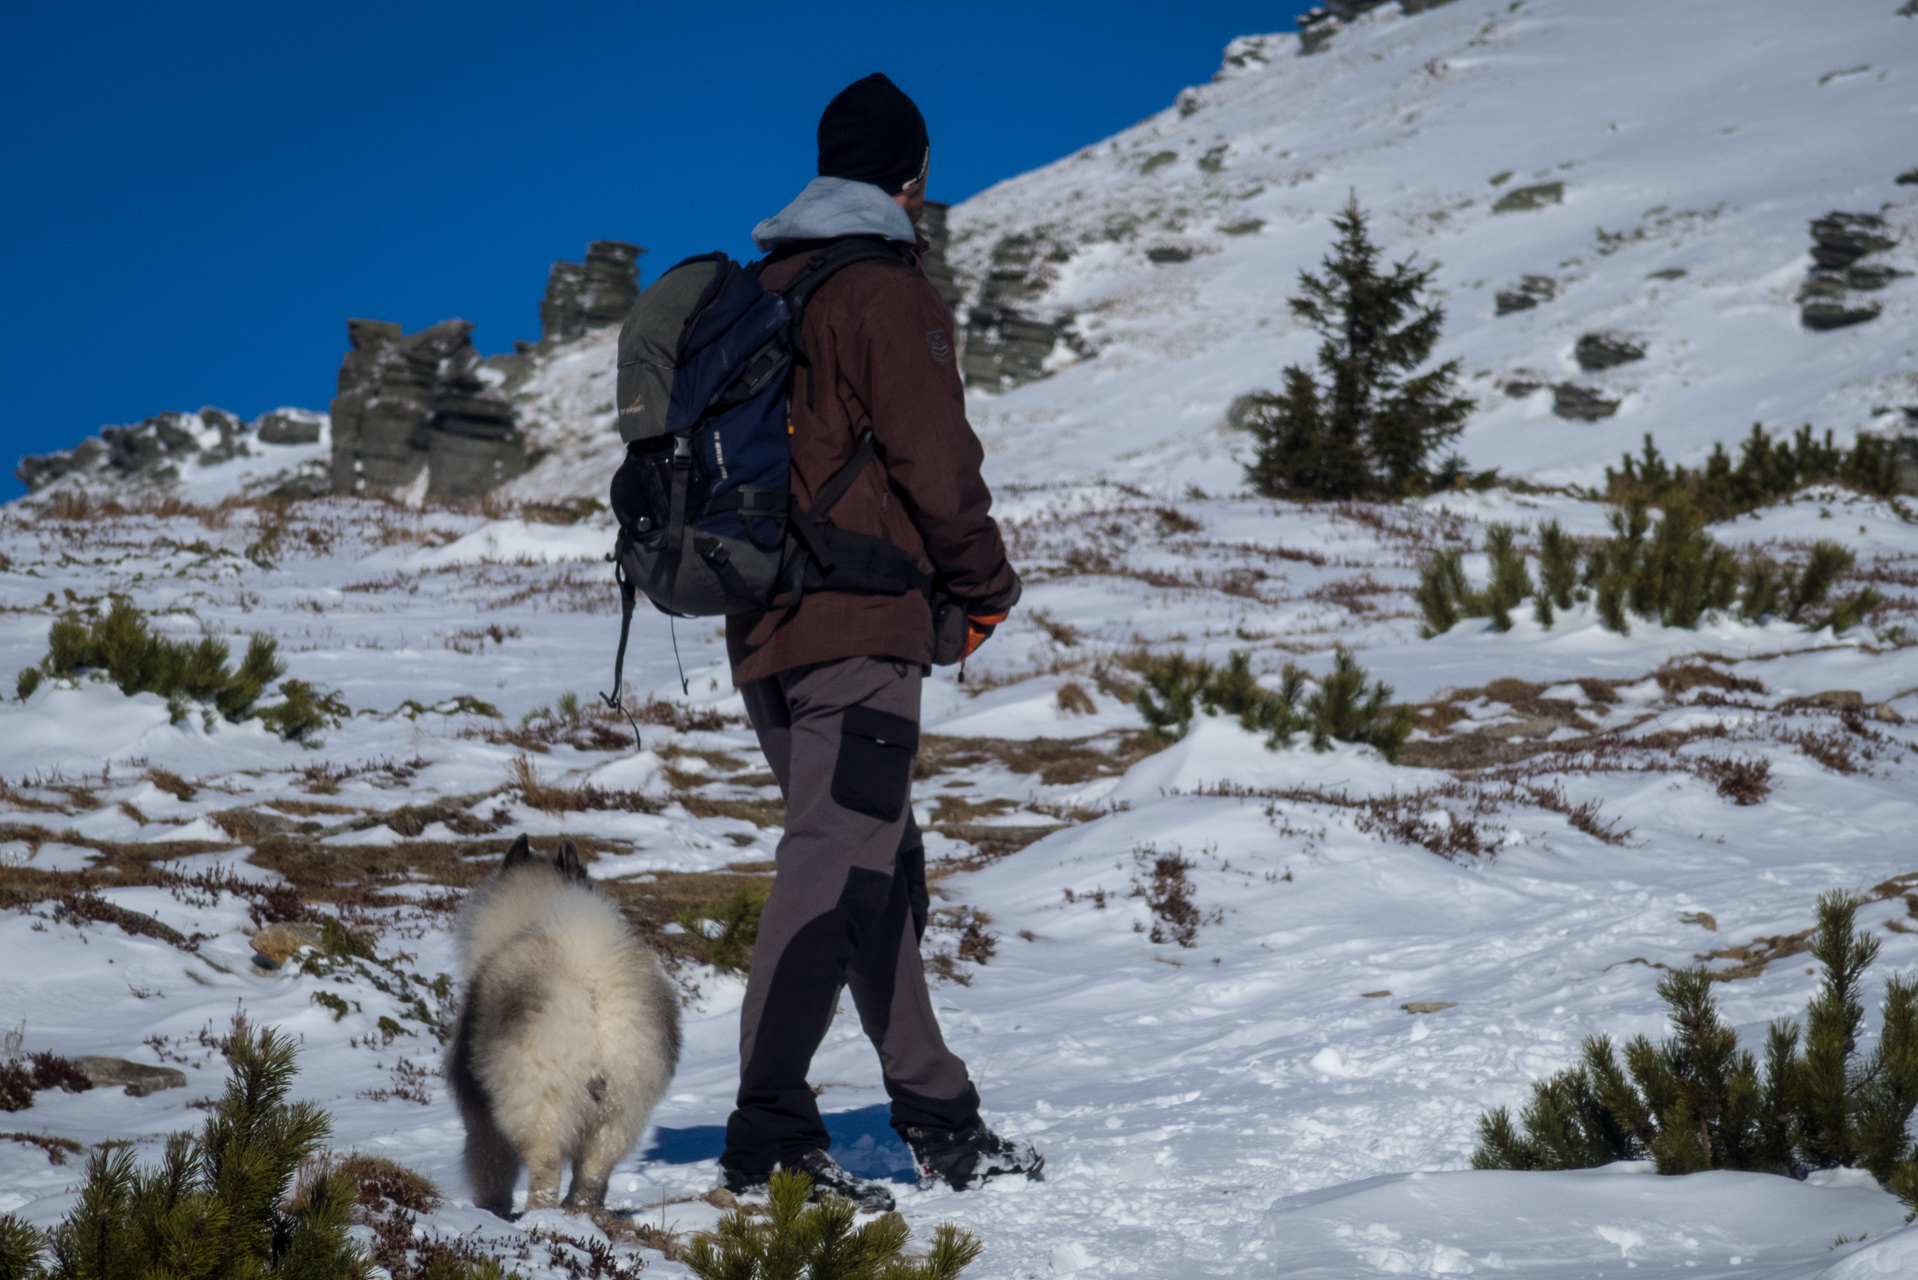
(567, 1037)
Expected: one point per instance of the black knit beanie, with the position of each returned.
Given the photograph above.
(873, 133)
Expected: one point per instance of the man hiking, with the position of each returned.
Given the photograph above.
(833, 685)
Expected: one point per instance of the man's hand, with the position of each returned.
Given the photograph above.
(979, 628)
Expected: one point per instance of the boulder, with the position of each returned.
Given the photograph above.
(1581, 404)
(1871, 275)
(1521, 385)
(288, 426)
(1520, 199)
(582, 296)
(139, 1078)
(1909, 178)
(1597, 351)
(1821, 314)
(277, 943)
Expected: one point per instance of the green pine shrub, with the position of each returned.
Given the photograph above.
(250, 1197)
(1697, 1101)
(1341, 708)
(729, 947)
(216, 1205)
(818, 1241)
(1669, 571)
(123, 647)
(1767, 470)
(1368, 429)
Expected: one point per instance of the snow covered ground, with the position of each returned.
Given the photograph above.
(1250, 1098)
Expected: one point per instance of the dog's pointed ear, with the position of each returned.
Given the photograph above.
(568, 861)
(520, 854)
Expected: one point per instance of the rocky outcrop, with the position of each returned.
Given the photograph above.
(932, 225)
(151, 453)
(421, 405)
(1318, 25)
(1581, 404)
(1596, 351)
(1531, 291)
(1839, 241)
(1006, 342)
(590, 295)
(1525, 199)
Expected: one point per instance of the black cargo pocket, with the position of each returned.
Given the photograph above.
(874, 769)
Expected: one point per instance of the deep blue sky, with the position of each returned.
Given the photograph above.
(196, 196)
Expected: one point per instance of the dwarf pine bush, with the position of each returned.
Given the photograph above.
(123, 647)
(1341, 708)
(1670, 571)
(819, 1242)
(727, 944)
(1697, 1101)
(1766, 471)
(216, 1207)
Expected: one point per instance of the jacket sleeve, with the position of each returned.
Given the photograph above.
(910, 378)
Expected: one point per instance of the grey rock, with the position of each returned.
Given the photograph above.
(1822, 314)
(139, 1078)
(1165, 254)
(1597, 351)
(1581, 404)
(1521, 385)
(281, 427)
(1317, 26)
(1409, 7)
(1521, 199)
(590, 295)
(1843, 238)
(1909, 178)
(1531, 291)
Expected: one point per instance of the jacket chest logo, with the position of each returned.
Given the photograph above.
(941, 347)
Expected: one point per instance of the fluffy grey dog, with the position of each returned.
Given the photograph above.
(567, 1037)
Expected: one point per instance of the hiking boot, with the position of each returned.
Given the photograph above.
(827, 1179)
(966, 1158)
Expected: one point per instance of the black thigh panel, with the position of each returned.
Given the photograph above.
(873, 773)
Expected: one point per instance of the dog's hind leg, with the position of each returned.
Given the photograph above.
(600, 1148)
(544, 1161)
(492, 1166)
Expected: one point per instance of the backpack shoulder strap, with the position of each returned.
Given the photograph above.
(823, 266)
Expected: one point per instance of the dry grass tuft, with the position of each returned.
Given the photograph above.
(1743, 782)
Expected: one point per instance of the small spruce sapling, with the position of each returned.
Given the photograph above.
(1511, 582)
(1370, 427)
(820, 1242)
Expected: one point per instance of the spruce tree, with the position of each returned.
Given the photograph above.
(1369, 428)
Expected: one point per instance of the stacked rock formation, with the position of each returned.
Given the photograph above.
(421, 404)
(581, 296)
(932, 225)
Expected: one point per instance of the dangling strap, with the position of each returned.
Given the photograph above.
(628, 597)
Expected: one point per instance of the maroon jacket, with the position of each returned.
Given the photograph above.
(880, 342)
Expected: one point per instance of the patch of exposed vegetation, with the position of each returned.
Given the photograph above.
(1340, 707)
(819, 1241)
(1670, 571)
(1766, 471)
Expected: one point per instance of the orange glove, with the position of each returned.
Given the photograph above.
(979, 628)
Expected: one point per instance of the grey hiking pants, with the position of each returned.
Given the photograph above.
(847, 910)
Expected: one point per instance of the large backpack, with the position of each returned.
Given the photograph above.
(707, 522)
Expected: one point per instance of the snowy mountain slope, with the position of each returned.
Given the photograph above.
(1241, 1105)
(1699, 138)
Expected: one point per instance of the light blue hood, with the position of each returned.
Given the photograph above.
(833, 207)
